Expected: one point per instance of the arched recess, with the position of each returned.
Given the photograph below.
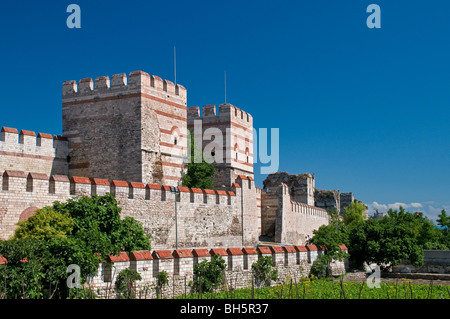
(27, 213)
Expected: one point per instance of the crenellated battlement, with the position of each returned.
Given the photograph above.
(21, 194)
(11, 140)
(20, 181)
(226, 112)
(290, 261)
(121, 85)
(31, 152)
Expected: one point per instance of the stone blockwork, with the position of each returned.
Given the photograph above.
(285, 220)
(137, 123)
(292, 263)
(328, 200)
(28, 152)
(204, 217)
(226, 137)
(128, 135)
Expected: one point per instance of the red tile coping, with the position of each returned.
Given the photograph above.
(119, 183)
(99, 181)
(81, 180)
(250, 178)
(264, 250)
(209, 191)
(301, 248)
(162, 254)
(182, 253)
(166, 187)
(277, 249)
(220, 192)
(40, 176)
(45, 135)
(60, 178)
(140, 255)
(242, 177)
(184, 189)
(236, 185)
(201, 252)
(137, 185)
(154, 186)
(311, 247)
(231, 193)
(289, 249)
(249, 251)
(196, 190)
(29, 133)
(11, 173)
(234, 251)
(10, 130)
(218, 251)
(123, 257)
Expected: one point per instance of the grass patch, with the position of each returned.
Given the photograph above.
(332, 289)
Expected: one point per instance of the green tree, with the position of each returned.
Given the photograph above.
(354, 213)
(37, 268)
(74, 232)
(45, 224)
(97, 222)
(444, 220)
(199, 175)
(387, 241)
(332, 236)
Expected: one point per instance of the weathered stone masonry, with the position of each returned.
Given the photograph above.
(292, 262)
(128, 135)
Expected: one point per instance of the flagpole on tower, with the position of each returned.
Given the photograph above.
(175, 63)
(225, 84)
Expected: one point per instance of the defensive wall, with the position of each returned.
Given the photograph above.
(291, 262)
(30, 152)
(127, 135)
(191, 217)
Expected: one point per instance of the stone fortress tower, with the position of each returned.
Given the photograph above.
(128, 136)
(234, 152)
(126, 128)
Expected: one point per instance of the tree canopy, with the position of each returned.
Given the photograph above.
(199, 174)
(398, 236)
(80, 231)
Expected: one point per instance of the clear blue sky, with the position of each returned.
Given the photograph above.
(365, 110)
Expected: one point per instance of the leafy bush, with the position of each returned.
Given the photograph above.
(74, 232)
(209, 274)
(320, 267)
(125, 283)
(263, 271)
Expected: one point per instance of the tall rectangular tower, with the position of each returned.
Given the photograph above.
(226, 137)
(126, 128)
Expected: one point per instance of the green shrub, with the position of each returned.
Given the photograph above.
(125, 283)
(209, 274)
(263, 271)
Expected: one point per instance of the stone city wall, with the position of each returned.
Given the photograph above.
(291, 262)
(204, 217)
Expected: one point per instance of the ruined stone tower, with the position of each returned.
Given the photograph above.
(227, 137)
(126, 128)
